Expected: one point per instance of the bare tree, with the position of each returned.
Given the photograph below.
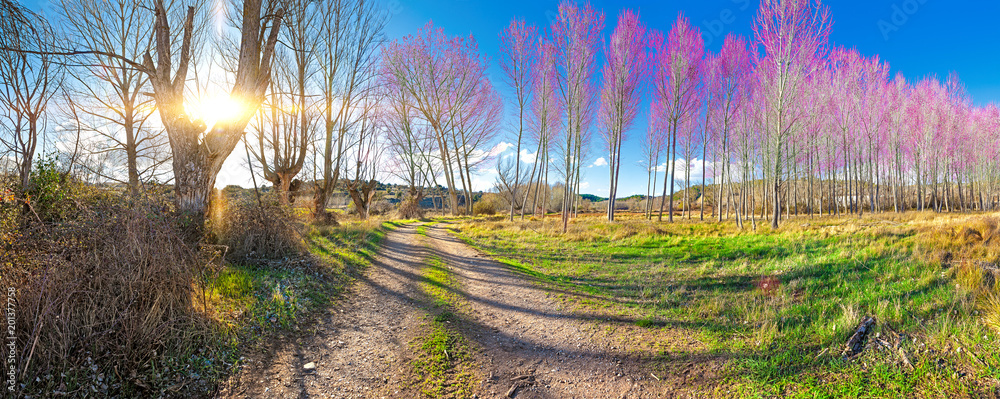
(362, 169)
(351, 34)
(30, 79)
(113, 107)
(288, 122)
(14, 20)
(408, 142)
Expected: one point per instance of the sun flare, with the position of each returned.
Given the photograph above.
(215, 109)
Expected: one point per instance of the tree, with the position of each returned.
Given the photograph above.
(475, 119)
(362, 169)
(287, 124)
(114, 108)
(409, 140)
(518, 57)
(575, 35)
(793, 35)
(198, 154)
(624, 73)
(652, 145)
(30, 79)
(677, 79)
(351, 35)
(729, 73)
(445, 77)
(545, 114)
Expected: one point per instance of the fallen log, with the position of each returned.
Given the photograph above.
(856, 344)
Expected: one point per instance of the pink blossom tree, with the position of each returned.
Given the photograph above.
(441, 76)
(793, 35)
(729, 73)
(576, 34)
(546, 106)
(518, 58)
(624, 73)
(652, 148)
(677, 75)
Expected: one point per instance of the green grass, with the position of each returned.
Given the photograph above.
(442, 366)
(776, 307)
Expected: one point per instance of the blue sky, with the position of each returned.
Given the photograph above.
(916, 37)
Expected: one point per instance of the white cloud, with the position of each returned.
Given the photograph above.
(599, 162)
(585, 185)
(501, 148)
(528, 157)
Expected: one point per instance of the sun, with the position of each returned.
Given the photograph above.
(215, 109)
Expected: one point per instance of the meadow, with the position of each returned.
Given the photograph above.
(775, 308)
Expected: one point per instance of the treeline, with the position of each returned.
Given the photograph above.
(782, 123)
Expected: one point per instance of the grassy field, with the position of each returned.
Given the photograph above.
(776, 307)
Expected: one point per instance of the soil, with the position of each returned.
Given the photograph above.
(529, 341)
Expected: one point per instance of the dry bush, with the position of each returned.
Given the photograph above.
(379, 208)
(410, 209)
(101, 294)
(258, 231)
(490, 204)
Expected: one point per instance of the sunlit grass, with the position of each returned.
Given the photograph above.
(248, 303)
(779, 305)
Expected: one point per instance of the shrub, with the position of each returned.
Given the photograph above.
(410, 209)
(380, 207)
(100, 295)
(257, 232)
(490, 204)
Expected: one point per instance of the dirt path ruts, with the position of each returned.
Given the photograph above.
(523, 331)
(357, 348)
(360, 348)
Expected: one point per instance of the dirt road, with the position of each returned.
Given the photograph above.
(525, 343)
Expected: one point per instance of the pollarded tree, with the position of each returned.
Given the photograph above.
(677, 79)
(198, 153)
(350, 35)
(362, 167)
(576, 34)
(518, 58)
(287, 124)
(624, 73)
